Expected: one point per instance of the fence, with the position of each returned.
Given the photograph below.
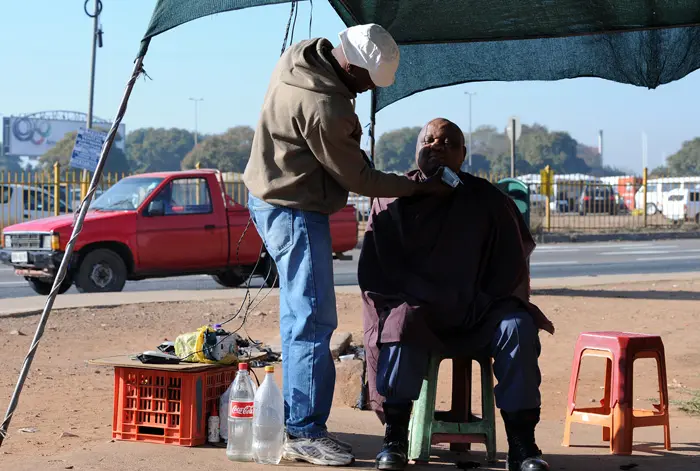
(584, 204)
(25, 196)
(577, 204)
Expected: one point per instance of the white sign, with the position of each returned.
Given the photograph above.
(32, 137)
(88, 145)
(518, 128)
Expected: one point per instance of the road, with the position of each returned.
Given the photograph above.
(548, 261)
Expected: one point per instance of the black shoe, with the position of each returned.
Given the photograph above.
(523, 453)
(394, 453)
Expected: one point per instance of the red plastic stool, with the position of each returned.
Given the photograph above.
(617, 415)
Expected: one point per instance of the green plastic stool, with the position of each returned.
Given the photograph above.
(457, 427)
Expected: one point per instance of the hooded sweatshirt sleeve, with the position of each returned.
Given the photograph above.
(332, 140)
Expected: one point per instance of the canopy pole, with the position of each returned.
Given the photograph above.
(372, 121)
(77, 227)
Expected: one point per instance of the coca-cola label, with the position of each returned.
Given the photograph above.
(241, 409)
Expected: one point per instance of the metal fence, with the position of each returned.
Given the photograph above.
(577, 204)
(25, 196)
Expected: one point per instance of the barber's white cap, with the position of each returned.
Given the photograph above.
(372, 48)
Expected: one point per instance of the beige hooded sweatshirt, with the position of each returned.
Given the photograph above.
(306, 151)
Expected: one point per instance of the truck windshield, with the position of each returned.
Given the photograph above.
(126, 194)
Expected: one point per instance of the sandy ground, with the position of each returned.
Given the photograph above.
(63, 396)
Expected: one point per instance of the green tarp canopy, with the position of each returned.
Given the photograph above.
(639, 42)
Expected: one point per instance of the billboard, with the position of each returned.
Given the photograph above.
(33, 136)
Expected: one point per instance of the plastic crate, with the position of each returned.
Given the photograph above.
(166, 406)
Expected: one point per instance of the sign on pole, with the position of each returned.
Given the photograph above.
(518, 128)
(86, 152)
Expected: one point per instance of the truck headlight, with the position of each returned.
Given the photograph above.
(50, 242)
(8, 242)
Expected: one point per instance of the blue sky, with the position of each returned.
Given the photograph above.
(227, 59)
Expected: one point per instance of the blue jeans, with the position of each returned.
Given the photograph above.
(514, 347)
(300, 244)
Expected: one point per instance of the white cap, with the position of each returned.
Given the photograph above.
(372, 48)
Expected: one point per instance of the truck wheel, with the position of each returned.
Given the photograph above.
(43, 287)
(229, 279)
(651, 209)
(268, 270)
(101, 271)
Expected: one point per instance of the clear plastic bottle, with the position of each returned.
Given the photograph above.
(224, 406)
(268, 421)
(240, 417)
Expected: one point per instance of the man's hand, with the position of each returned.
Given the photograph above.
(434, 186)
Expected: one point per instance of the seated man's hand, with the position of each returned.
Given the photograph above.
(434, 186)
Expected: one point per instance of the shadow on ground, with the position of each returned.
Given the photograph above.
(600, 293)
(647, 456)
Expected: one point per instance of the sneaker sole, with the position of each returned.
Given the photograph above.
(291, 456)
(389, 467)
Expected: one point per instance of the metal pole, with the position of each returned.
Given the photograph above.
(512, 149)
(372, 121)
(91, 97)
(196, 118)
(469, 149)
(645, 175)
(63, 268)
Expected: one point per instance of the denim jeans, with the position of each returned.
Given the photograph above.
(514, 347)
(300, 244)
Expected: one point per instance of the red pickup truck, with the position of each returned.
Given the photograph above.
(151, 226)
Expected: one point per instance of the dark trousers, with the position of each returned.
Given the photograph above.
(515, 348)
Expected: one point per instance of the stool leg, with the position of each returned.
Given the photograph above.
(571, 399)
(663, 389)
(488, 409)
(423, 416)
(461, 397)
(622, 430)
(606, 397)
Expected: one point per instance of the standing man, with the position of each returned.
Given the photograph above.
(305, 158)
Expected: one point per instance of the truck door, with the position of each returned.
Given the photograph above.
(187, 235)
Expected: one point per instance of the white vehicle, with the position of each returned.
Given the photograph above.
(20, 203)
(658, 189)
(683, 205)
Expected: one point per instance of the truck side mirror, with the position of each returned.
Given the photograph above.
(156, 208)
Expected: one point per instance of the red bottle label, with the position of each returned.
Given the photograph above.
(241, 409)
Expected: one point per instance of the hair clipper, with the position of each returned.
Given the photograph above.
(450, 178)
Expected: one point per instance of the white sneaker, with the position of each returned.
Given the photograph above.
(319, 451)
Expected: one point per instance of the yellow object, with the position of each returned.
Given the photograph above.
(190, 348)
(546, 181)
(269, 369)
(55, 242)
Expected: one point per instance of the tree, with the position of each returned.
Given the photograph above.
(396, 150)
(61, 152)
(8, 164)
(228, 152)
(686, 161)
(158, 150)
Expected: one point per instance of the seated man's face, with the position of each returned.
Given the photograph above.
(440, 144)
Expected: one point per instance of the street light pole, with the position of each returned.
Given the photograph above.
(196, 132)
(470, 95)
(96, 41)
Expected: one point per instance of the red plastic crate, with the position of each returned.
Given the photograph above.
(166, 406)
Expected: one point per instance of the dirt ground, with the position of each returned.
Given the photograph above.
(66, 407)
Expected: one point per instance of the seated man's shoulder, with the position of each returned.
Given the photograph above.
(487, 190)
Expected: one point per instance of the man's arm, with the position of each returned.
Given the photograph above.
(332, 142)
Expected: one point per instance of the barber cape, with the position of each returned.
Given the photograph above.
(442, 271)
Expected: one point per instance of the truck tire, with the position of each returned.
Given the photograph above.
(101, 271)
(43, 287)
(268, 270)
(652, 209)
(229, 279)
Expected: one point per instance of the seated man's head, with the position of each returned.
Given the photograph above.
(440, 144)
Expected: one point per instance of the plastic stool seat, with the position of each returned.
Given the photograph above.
(457, 427)
(616, 413)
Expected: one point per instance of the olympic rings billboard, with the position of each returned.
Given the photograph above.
(32, 137)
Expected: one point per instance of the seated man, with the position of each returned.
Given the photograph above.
(450, 274)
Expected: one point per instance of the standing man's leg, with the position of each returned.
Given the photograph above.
(515, 348)
(300, 244)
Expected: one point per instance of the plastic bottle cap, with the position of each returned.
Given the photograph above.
(243, 366)
(269, 369)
